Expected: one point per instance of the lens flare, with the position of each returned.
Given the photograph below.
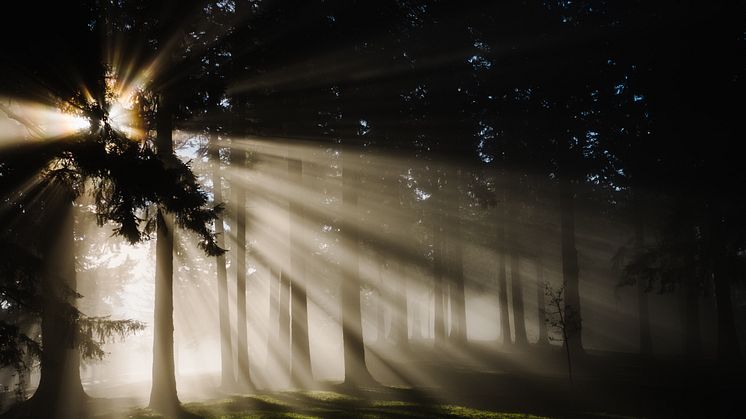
(23, 120)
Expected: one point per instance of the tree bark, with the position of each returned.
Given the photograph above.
(728, 347)
(439, 327)
(519, 321)
(381, 304)
(646, 342)
(60, 393)
(273, 330)
(238, 164)
(541, 304)
(228, 379)
(502, 276)
(570, 269)
(356, 371)
(163, 396)
(400, 316)
(283, 319)
(458, 297)
(417, 320)
(301, 355)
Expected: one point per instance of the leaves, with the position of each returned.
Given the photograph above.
(96, 331)
(564, 319)
(128, 179)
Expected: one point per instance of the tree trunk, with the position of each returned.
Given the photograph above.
(570, 270)
(646, 342)
(519, 321)
(228, 379)
(728, 347)
(356, 371)
(238, 164)
(502, 277)
(60, 393)
(273, 330)
(540, 303)
(163, 396)
(381, 304)
(301, 355)
(439, 327)
(400, 316)
(417, 320)
(458, 297)
(283, 319)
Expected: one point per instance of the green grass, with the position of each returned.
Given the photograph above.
(325, 404)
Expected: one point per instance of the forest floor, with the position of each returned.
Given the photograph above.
(481, 382)
(327, 404)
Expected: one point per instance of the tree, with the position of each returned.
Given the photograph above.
(228, 379)
(238, 187)
(356, 371)
(163, 395)
(102, 157)
(458, 292)
(563, 318)
(519, 322)
(543, 338)
(502, 277)
(439, 269)
(301, 353)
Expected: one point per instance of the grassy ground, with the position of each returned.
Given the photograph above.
(325, 404)
(482, 383)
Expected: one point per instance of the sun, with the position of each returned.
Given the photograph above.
(123, 105)
(22, 120)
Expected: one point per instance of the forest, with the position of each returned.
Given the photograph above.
(372, 208)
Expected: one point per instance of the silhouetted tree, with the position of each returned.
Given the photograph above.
(356, 371)
(228, 379)
(563, 319)
(301, 353)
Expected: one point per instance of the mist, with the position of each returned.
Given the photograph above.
(384, 209)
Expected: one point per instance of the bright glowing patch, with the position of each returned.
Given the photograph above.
(76, 123)
(23, 120)
(122, 110)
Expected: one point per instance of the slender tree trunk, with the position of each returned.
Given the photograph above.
(60, 394)
(301, 354)
(416, 320)
(430, 319)
(356, 372)
(439, 327)
(502, 277)
(275, 361)
(274, 309)
(646, 342)
(458, 297)
(283, 318)
(238, 187)
(238, 164)
(519, 321)
(541, 304)
(400, 316)
(728, 347)
(565, 337)
(570, 270)
(381, 304)
(228, 379)
(163, 396)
